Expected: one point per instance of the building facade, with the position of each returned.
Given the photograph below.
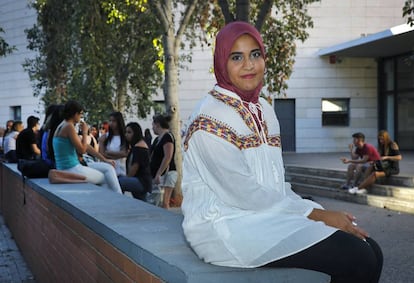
(336, 94)
(347, 78)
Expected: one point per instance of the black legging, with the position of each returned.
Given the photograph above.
(343, 256)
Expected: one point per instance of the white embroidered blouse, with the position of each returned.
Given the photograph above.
(238, 209)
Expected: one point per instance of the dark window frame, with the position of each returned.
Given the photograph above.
(336, 118)
(16, 112)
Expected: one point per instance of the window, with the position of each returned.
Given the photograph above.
(335, 111)
(16, 113)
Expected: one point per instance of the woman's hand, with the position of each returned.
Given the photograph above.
(110, 161)
(84, 127)
(342, 220)
(157, 179)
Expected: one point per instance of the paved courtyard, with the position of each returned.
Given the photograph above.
(13, 268)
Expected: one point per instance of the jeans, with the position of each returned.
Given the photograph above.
(133, 185)
(98, 173)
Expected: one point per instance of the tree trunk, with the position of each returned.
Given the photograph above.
(265, 11)
(121, 91)
(121, 95)
(171, 44)
(171, 100)
(224, 6)
(242, 10)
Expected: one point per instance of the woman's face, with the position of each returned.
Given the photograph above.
(381, 139)
(93, 131)
(112, 123)
(102, 130)
(245, 65)
(78, 116)
(129, 134)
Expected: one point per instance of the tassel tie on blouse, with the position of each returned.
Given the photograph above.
(257, 112)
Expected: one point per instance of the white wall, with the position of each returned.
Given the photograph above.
(355, 78)
(313, 77)
(15, 86)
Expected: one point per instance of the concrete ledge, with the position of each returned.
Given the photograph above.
(122, 239)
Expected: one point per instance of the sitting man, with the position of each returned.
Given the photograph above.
(387, 166)
(26, 143)
(362, 156)
(10, 142)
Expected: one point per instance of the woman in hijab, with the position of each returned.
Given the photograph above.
(238, 209)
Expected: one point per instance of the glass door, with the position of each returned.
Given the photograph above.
(406, 121)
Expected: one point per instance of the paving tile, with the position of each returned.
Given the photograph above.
(13, 268)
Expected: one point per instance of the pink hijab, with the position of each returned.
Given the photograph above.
(224, 42)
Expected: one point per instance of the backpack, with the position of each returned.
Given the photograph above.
(37, 168)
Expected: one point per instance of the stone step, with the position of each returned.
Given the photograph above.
(326, 182)
(404, 193)
(316, 180)
(315, 171)
(395, 193)
(388, 202)
(395, 180)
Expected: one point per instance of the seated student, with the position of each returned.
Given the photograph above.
(52, 120)
(26, 143)
(113, 145)
(3, 134)
(93, 148)
(103, 130)
(67, 145)
(138, 180)
(362, 156)
(92, 139)
(10, 142)
(389, 164)
(48, 114)
(1, 143)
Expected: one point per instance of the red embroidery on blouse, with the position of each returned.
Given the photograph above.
(225, 132)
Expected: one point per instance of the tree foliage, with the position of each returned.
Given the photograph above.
(5, 48)
(95, 50)
(281, 22)
(187, 21)
(408, 11)
(87, 54)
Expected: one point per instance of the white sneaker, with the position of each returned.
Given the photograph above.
(361, 192)
(353, 190)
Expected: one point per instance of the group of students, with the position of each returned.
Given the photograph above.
(121, 158)
(19, 142)
(8, 141)
(368, 163)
